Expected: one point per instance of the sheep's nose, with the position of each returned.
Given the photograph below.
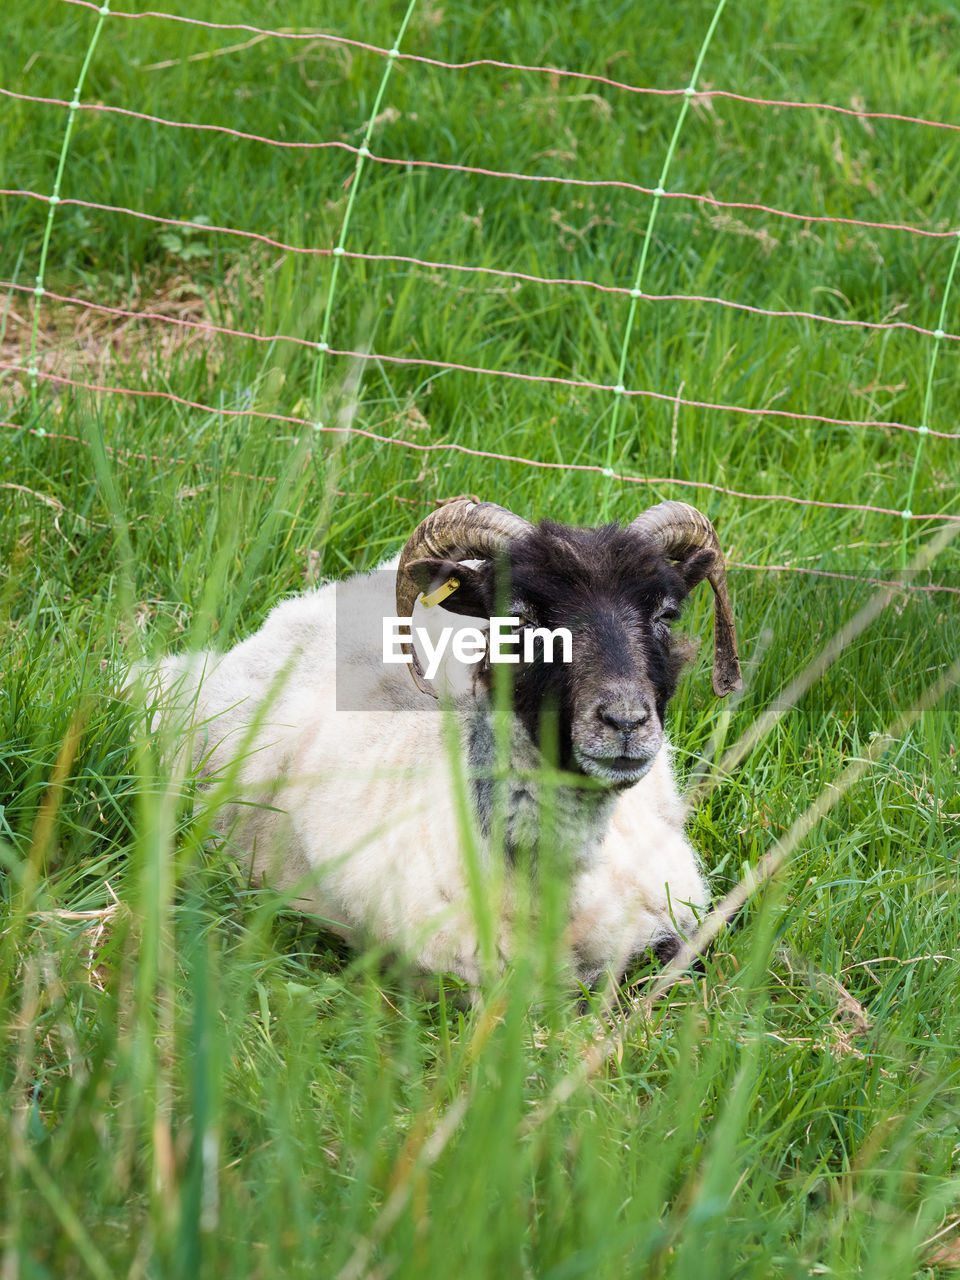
(624, 717)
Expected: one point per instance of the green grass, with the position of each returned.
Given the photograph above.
(196, 1083)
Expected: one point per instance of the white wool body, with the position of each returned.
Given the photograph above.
(355, 813)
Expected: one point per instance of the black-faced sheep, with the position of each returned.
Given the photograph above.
(355, 809)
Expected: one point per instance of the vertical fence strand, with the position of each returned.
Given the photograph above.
(54, 199)
(924, 430)
(363, 153)
(636, 291)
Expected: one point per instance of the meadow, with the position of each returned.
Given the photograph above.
(195, 1081)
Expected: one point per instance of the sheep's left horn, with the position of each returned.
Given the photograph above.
(461, 529)
(680, 529)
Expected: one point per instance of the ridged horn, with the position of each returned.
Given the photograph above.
(680, 529)
(460, 529)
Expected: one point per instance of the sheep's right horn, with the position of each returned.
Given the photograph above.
(461, 529)
(681, 529)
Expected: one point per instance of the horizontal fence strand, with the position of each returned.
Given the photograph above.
(427, 501)
(559, 72)
(496, 272)
(454, 447)
(923, 587)
(701, 198)
(451, 366)
(121, 454)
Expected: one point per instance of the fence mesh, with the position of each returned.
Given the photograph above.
(41, 371)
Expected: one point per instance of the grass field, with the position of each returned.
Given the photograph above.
(194, 1081)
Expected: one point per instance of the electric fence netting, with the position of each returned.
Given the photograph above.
(669, 362)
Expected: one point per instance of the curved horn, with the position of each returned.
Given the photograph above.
(680, 529)
(461, 529)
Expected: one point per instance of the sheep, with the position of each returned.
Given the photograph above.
(346, 791)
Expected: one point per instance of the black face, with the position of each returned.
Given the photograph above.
(617, 595)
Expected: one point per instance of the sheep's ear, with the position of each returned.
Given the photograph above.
(696, 567)
(472, 596)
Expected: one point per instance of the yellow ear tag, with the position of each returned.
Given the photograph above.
(441, 593)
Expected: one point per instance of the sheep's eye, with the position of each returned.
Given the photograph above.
(663, 617)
